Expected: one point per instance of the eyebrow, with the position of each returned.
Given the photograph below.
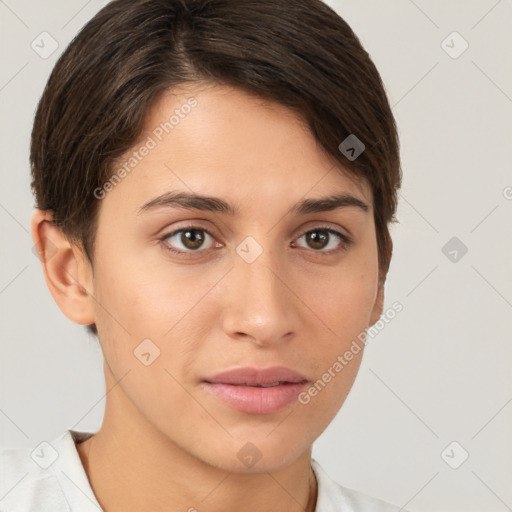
(192, 201)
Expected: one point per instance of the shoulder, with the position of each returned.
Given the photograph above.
(333, 497)
(34, 478)
(24, 484)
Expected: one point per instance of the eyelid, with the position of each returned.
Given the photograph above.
(180, 252)
(335, 228)
(346, 239)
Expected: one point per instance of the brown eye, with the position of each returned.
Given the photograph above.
(322, 238)
(189, 239)
(317, 239)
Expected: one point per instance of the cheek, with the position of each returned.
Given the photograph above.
(136, 303)
(344, 299)
(344, 306)
(325, 396)
(344, 303)
(141, 299)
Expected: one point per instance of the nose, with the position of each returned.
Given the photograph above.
(260, 305)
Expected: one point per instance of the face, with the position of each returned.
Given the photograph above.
(251, 281)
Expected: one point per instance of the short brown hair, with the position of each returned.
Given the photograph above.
(298, 53)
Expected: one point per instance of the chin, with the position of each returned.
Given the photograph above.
(262, 454)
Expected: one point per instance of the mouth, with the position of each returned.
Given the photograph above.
(256, 391)
(256, 385)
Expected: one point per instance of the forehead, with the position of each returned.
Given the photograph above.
(222, 141)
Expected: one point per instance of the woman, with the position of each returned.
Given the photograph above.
(214, 181)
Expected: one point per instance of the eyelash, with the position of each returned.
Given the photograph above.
(346, 240)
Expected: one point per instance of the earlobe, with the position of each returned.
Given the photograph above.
(67, 271)
(378, 305)
(383, 270)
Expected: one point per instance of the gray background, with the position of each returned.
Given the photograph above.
(440, 371)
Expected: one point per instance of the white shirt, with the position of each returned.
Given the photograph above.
(51, 478)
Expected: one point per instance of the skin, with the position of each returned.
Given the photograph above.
(165, 442)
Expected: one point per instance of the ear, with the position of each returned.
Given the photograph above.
(67, 271)
(383, 270)
(378, 305)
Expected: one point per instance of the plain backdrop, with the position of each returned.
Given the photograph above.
(435, 384)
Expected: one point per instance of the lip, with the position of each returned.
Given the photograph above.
(241, 388)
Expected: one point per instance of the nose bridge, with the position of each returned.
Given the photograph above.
(259, 277)
(260, 304)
